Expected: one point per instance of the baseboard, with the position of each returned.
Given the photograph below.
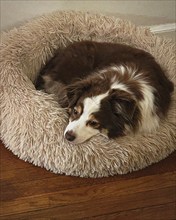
(162, 28)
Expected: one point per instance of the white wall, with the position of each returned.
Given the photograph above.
(141, 12)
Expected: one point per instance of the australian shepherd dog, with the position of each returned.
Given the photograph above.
(110, 89)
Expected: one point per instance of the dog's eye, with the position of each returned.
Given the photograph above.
(75, 112)
(93, 123)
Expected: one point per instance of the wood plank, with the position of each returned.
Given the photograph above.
(24, 175)
(16, 200)
(159, 212)
(103, 206)
(51, 185)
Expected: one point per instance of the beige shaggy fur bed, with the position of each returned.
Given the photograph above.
(32, 123)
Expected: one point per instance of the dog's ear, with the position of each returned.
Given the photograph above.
(123, 104)
(75, 91)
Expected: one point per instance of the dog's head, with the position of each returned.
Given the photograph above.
(95, 107)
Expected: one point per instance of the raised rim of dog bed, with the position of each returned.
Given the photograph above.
(32, 123)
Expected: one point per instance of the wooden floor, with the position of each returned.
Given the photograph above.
(29, 192)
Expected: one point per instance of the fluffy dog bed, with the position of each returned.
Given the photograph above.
(32, 123)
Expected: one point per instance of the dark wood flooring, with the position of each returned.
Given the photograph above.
(29, 192)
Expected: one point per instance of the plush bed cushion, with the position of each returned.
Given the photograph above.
(32, 123)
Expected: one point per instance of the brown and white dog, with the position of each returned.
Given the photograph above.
(109, 88)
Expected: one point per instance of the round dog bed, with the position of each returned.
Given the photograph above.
(32, 123)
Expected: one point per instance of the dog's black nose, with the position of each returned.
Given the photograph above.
(70, 136)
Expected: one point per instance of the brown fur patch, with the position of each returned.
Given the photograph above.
(76, 112)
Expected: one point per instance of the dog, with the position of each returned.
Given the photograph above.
(110, 89)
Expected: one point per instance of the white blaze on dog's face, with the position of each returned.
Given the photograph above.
(82, 124)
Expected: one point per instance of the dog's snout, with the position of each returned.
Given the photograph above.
(70, 136)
